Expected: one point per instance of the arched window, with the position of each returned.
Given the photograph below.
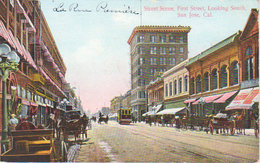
(175, 87)
(180, 85)
(223, 76)
(234, 73)
(192, 89)
(198, 84)
(186, 83)
(249, 68)
(249, 50)
(166, 90)
(214, 79)
(206, 81)
(170, 89)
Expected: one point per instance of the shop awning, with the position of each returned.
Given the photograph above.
(253, 96)
(238, 102)
(207, 99)
(147, 113)
(225, 97)
(157, 108)
(171, 111)
(189, 101)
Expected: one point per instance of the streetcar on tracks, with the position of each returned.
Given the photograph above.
(124, 116)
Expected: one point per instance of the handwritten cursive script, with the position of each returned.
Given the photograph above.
(74, 7)
(103, 6)
(60, 8)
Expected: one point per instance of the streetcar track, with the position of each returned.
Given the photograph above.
(188, 152)
(205, 137)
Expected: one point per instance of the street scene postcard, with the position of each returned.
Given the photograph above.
(129, 81)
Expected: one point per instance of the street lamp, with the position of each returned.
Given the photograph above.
(9, 61)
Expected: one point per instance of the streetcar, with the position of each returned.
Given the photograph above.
(124, 116)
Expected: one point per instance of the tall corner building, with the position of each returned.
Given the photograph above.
(153, 49)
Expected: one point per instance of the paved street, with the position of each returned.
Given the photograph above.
(140, 142)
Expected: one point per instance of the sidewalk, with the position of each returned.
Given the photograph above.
(90, 151)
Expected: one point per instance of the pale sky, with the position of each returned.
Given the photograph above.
(94, 44)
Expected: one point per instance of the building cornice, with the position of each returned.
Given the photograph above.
(157, 28)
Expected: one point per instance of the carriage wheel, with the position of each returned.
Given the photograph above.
(64, 151)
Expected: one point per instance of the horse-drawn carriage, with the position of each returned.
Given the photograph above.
(31, 145)
(71, 123)
(221, 123)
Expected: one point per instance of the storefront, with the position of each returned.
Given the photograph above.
(246, 102)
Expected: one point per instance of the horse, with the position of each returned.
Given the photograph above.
(103, 119)
(240, 123)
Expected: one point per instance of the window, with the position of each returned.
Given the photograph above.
(166, 90)
(140, 38)
(172, 50)
(172, 61)
(192, 89)
(141, 82)
(23, 93)
(214, 79)
(181, 50)
(180, 85)
(162, 50)
(162, 61)
(163, 38)
(153, 50)
(140, 72)
(153, 61)
(186, 83)
(249, 68)
(182, 39)
(141, 61)
(171, 38)
(223, 76)
(175, 87)
(29, 95)
(152, 38)
(181, 59)
(249, 51)
(198, 84)
(234, 73)
(142, 94)
(18, 91)
(153, 71)
(140, 50)
(170, 89)
(206, 81)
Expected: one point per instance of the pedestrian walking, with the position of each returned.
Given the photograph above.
(162, 120)
(150, 121)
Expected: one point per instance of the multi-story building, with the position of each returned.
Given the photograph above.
(40, 80)
(225, 77)
(153, 49)
(213, 75)
(115, 104)
(176, 86)
(126, 100)
(155, 91)
(249, 52)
